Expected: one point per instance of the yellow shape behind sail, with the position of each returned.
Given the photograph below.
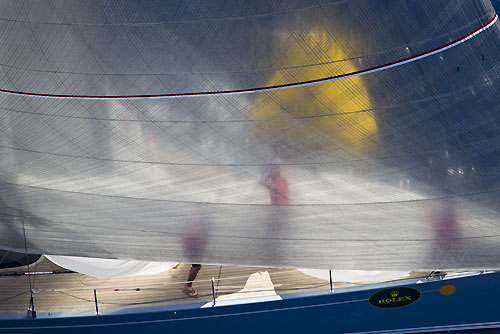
(333, 113)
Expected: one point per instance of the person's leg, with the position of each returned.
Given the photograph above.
(193, 272)
(195, 268)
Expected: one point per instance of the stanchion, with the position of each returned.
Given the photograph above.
(31, 309)
(213, 290)
(331, 282)
(95, 300)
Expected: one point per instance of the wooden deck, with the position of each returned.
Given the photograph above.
(60, 290)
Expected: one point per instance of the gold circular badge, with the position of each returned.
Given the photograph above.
(447, 290)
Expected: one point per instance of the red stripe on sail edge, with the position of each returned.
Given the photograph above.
(266, 88)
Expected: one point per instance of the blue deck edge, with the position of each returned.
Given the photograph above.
(473, 306)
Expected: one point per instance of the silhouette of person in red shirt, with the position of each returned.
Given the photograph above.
(278, 186)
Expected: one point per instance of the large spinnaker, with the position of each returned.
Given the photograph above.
(389, 169)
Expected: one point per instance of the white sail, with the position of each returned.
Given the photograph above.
(341, 134)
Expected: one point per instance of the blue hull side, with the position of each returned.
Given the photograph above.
(474, 305)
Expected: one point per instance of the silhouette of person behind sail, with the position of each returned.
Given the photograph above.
(277, 185)
(447, 227)
(448, 247)
(446, 233)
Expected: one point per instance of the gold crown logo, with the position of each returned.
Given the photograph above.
(394, 293)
